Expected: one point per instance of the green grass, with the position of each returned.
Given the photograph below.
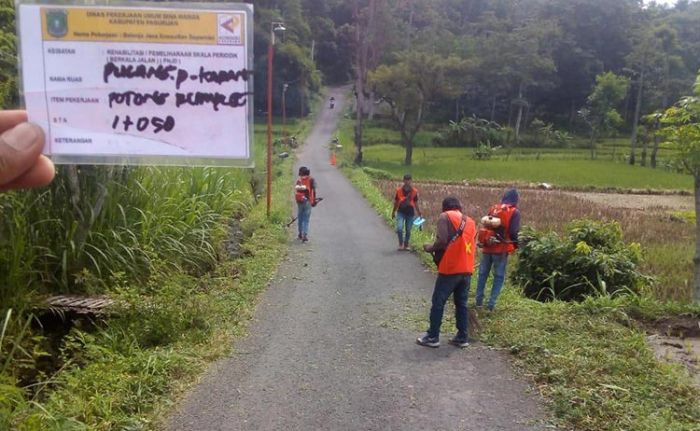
(456, 164)
(567, 168)
(672, 265)
(588, 360)
(599, 373)
(127, 373)
(377, 135)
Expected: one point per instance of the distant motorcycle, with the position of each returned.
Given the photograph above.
(332, 102)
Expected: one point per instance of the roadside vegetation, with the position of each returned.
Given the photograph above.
(183, 252)
(566, 92)
(589, 359)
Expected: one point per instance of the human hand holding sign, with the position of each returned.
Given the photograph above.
(21, 163)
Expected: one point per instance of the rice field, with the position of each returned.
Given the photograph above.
(667, 241)
(569, 168)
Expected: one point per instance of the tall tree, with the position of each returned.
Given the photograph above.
(371, 24)
(671, 63)
(683, 130)
(364, 20)
(640, 63)
(515, 58)
(411, 85)
(293, 63)
(601, 109)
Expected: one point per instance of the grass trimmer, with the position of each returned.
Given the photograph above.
(316, 202)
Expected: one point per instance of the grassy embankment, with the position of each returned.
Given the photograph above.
(565, 168)
(185, 251)
(589, 360)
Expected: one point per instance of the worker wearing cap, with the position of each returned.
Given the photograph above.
(453, 252)
(495, 256)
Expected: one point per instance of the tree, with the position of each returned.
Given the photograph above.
(683, 130)
(411, 85)
(512, 59)
(600, 112)
(364, 27)
(639, 61)
(594, 39)
(293, 62)
(652, 123)
(372, 25)
(532, 61)
(667, 42)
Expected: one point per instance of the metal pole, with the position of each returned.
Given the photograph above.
(284, 111)
(270, 53)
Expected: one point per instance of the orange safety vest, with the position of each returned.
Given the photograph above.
(309, 193)
(459, 256)
(401, 196)
(505, 213)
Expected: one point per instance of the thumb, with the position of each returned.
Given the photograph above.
(20, 148)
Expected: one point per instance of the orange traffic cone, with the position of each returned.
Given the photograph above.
(333, 160)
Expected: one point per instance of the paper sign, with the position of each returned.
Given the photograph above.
(139, 84)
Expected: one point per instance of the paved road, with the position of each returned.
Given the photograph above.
(319, 357)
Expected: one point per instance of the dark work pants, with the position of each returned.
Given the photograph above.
(446, 285)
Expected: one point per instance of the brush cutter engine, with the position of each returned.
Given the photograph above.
(487, 231)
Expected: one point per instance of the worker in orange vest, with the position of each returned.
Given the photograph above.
(453, 252)
(405, 210)
(495, 254)
(305, 196)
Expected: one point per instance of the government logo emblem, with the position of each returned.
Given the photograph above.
(230, 31)
(57, 22)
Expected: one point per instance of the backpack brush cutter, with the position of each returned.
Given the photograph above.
(316, 202)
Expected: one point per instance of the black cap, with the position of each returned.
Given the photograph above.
(407, 177)
(451, 203)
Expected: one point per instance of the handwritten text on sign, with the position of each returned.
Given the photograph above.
(138, 82)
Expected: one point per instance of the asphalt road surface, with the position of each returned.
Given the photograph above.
(321, 356)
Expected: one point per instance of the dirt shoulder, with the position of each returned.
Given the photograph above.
(665, 202)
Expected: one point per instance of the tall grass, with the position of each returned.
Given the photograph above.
(157, 239)
(94, 223)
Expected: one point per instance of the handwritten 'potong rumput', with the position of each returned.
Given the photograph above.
(139, 84)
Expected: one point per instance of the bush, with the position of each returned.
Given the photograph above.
(591, 260)
(171, 307)
(470, 132)
(378, 174)
(484, 151)
(104, 221)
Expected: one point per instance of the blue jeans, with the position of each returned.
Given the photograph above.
(404, 223)
(303, 217)
(446, 285)
(498, 262)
